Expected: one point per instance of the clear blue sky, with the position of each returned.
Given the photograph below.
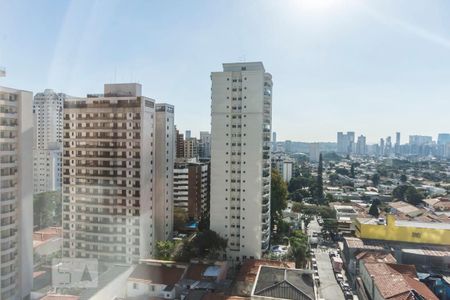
(374, 67)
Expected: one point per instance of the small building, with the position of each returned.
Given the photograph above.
(378, 281)
(155, 280)
(281, 283)
(403, 231)
(403, 208)
(440, 285)
(345, 215)
(246, 277)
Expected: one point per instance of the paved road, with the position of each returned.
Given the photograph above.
(329, 288)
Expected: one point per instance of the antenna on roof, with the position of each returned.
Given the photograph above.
(242, 58)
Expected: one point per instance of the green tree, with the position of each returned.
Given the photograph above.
(403, 178)
(342, 171)
(318, 190)
(400, 192)
(278, 197)
(297, 196)
(298, 250)
(165, 250)
(300, 182)
(47, 209)
(306, 218)
(206, 244)
(376, 179)
(329, 198)
(413, 196)
(204, 222)
(407, 193)
(373, 210)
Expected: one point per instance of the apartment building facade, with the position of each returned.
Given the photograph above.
(48, 126)
(191, 188)
(16, 193)
(164, 162)
(108, 175)
(240, 158)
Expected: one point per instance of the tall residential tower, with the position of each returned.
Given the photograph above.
(48, 126)
(240, 157)
(16, 193)
(164, 161)
(108, 175)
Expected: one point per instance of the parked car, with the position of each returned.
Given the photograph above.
(339, 277)
(317, 280)
(315, 266)
(344, 286)
(348, 295)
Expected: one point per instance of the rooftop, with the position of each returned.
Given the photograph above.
(247, 274)
(157, 274)
(395, 281)
(243, 66)
(406, 208)
(376, 256)
(284, 283)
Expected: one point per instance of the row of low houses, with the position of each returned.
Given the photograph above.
(198, 280)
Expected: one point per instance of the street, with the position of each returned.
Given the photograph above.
(329, 288)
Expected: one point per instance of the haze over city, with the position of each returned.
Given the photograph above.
(373, 68)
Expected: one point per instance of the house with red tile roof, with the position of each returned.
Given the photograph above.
(390, 281)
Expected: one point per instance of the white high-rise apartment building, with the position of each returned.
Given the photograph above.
(48, 126)
(108, 175)
(240, 158)
(16, 193)
(164, 163)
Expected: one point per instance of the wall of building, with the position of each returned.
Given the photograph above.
(164, 148)
(391, 232)
(240, 158)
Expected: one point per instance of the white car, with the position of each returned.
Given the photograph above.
(339, 277)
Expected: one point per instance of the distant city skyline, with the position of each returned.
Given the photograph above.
(375, 68)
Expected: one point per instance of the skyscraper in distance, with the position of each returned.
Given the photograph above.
(361, 147)
(240, 158)
(443, 138)
(205, 145)
(397, 143)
